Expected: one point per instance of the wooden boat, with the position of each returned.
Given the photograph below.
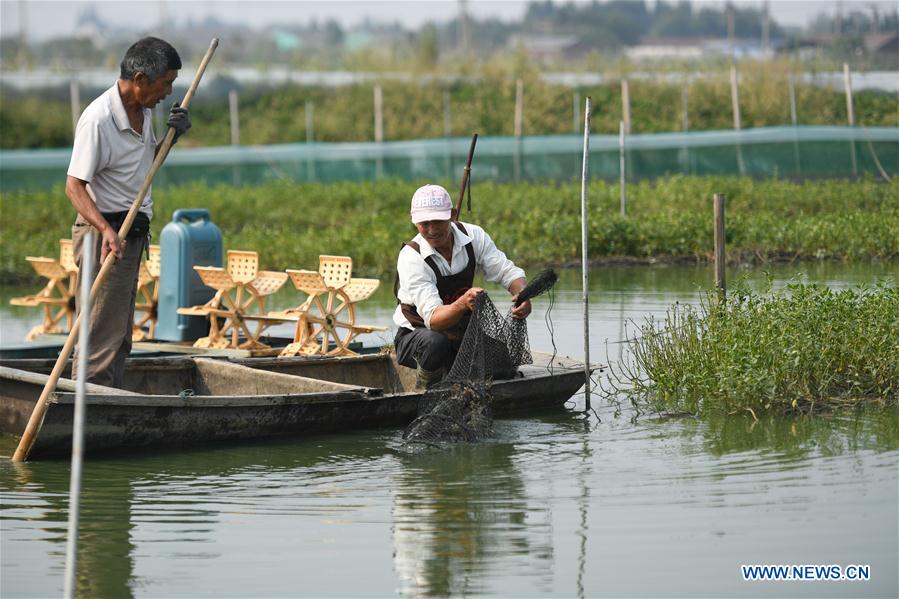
(184, 400)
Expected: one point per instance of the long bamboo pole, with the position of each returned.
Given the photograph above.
(87, 266)
(584, 261)
(40, 409)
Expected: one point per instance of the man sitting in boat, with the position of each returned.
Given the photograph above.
(435, 291)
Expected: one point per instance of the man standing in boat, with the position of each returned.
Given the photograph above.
(435, 291)
(113, 151)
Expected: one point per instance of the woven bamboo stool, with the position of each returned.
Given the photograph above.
(237, 310)
(57, 298)
(328, 315)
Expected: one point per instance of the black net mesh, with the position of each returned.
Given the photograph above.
(494, 346)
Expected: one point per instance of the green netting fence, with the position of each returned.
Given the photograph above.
(802, 152)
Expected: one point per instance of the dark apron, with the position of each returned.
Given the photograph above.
(450, 288)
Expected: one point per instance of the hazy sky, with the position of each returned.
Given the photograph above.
(46, 18)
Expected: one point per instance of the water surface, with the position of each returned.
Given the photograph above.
(555, 505)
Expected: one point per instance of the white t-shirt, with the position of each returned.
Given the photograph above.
(418, 283)
(112, 157)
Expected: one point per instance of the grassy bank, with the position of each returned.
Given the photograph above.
(414, 110)
(290, 224)
(799, 350)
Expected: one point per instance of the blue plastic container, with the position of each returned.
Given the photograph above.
(191, 239)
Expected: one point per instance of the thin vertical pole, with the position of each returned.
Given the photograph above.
(735, 103)
(584, 269)
(447, 121)
(735, 97)
(310, 121)
(87, 267)
(622, 167)
(720, 284)
(850, 114)
(847, 83)
(310, 138)
(447, 133)
(235, 117)
(576, 103)
(75, 103)
(519, 107)
(685, 127)
(626, 106)
(379, 129)
(794, 119)
(379, 114)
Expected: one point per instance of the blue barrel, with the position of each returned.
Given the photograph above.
(191, 239)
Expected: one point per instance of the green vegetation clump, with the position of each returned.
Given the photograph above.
(669, 220)
(799, 350)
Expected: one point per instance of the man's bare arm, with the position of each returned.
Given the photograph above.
(76, 190)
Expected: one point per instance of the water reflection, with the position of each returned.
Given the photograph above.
(457, 513)
(36, 506)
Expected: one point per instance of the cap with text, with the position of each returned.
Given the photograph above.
(431, 202)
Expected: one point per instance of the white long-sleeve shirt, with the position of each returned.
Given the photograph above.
(418, 283)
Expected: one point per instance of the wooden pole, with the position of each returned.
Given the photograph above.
(576, 103)
(794, 119)
(40, 408)
(850, 114)
(310, 121)
(519, 107)
(584, 262)
(309, 111)
(75, 103)
(735, 96)
(622, 167)
(447, 120)
(379, 114)
(235, 117)
(847, 84)
(87, 267)
(735, 102)
(684, 153)
(626, 106)
(466, 177)
(720, 258)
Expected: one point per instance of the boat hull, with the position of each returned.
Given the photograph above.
(180, 402)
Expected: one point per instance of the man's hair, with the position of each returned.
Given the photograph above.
(150, 56)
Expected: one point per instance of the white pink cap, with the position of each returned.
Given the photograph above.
(431, 202)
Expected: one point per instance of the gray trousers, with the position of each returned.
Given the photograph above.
(112, 311)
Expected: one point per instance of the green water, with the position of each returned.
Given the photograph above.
(555, 505)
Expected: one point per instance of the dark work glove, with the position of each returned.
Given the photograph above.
(179, 120)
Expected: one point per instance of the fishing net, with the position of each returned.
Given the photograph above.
(493, 347)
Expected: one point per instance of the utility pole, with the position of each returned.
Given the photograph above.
(23, 35)
(731, 30)
(766, 25)
(464, 27)
(839, 22)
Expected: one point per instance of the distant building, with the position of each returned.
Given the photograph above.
(882, 45)
(651, 49)
(547, 48)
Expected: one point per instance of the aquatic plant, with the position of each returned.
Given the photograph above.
(797, 350)
(669, 220)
